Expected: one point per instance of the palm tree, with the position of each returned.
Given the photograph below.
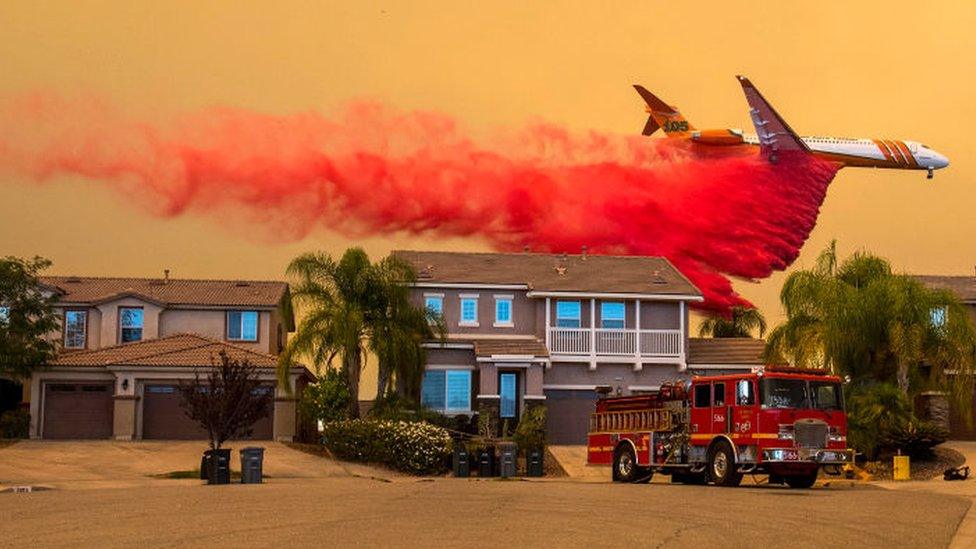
(858, 318)
(352, 307)
(741, 322)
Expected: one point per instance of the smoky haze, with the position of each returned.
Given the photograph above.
(371, 169)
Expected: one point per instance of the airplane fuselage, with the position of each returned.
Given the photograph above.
(859, 152)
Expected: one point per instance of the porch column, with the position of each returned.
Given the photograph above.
(638, 366)
(548, 324)
(592, 333)
(682, 338)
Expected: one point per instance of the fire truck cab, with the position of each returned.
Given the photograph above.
(788, 423)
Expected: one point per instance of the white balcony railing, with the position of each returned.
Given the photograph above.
(615, 342)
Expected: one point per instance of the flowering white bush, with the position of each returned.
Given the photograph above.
(412, 447)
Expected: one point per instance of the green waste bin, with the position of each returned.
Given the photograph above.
(508, 459)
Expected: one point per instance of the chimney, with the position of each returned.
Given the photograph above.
(525, 249)
(583, 252)
(165, 276)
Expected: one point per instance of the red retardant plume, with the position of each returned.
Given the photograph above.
(372, 170)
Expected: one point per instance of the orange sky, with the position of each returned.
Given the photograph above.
(861, 69)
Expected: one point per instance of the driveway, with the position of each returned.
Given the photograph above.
(72, 465)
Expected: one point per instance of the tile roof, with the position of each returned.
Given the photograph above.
(726, 350)
(171, 292)
(552, 272)
(963, 286)
(489, 347)
(189, 350)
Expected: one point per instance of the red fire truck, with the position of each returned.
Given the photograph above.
(785, 422)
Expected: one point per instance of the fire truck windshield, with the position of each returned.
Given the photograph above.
(797, 393)
(784, 393)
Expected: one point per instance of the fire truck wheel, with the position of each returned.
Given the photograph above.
(721, 466)
(625, 468)
(802, 481)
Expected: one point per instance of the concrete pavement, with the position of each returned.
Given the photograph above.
(75, 465)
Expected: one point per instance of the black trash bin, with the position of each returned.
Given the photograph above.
(486, 461)
(252, 464)
(534, 462)
(462, 462)
(216, 463)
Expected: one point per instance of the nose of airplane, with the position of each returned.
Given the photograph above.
(939, 161)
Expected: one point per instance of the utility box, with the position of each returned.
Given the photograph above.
(508, 459)
(252, 465)
(534, 462)
(462, 462)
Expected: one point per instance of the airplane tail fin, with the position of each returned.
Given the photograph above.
(662, 116)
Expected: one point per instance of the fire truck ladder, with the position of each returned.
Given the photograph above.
(631, 421)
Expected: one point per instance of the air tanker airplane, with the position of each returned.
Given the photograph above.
(775, 137)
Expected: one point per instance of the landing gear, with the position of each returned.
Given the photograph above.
(931, 173)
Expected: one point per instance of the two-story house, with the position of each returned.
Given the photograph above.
(127, 343)
(527, 328)
(964, 287)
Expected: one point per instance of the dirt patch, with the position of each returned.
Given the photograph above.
(920, 469)
(8, 442)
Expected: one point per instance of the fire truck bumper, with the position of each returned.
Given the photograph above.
(800, 455)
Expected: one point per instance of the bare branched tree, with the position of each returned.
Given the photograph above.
(228, 401)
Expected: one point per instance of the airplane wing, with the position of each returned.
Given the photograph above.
(775, 135)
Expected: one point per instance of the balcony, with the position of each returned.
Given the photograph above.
(604, 342)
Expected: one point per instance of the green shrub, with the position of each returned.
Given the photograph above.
(531, 431)
(915, 438)
(15, 424)
(327, 399)
(409, 446)
(880, 422)
(394, 408)
(871, 412)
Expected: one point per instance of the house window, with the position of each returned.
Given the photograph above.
(75, 329)
(447, 390)
(469, 310)
(130, 324)
(434, 305)
(938, 317)
(242, 325)
(568, 314)
(4, 314)
(612, 314)
(503, 311)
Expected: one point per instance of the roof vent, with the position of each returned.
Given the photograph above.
(242, 284)
(583, 252)
(73, 280)
(656, 278)
(560, 270)
(426, 273)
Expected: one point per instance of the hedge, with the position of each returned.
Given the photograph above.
(412, 447)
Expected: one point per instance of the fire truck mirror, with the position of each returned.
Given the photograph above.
(744, 393)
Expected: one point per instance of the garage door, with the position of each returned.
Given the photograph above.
(77, 410)
(568, 415)
(163, 418)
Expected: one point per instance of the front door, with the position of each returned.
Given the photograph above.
(509, 401)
